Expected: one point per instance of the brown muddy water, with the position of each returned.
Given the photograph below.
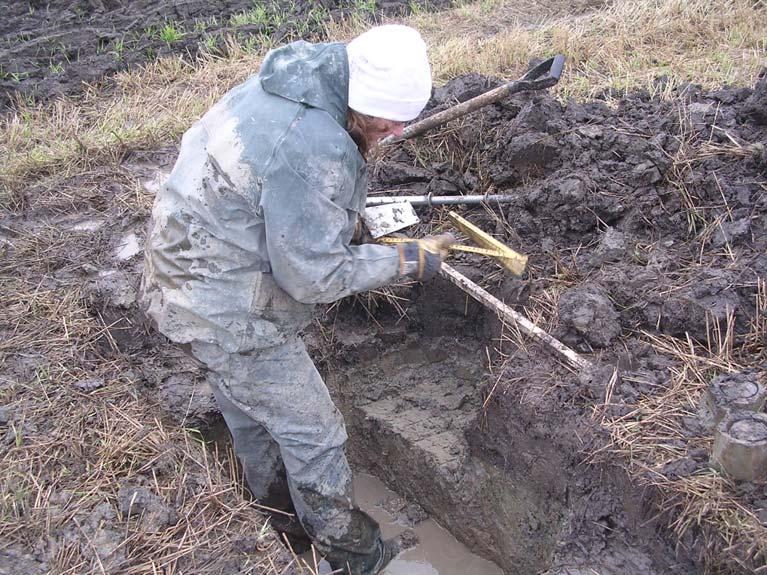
(437, 552)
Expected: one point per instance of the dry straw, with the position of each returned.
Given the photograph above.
(650, 437)
(79, 431)
(79, 427)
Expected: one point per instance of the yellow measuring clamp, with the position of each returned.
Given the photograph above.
(508, 258)
(451, 247)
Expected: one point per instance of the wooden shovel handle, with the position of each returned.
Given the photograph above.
(542, 76)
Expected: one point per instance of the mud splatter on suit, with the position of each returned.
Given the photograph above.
(253, 228)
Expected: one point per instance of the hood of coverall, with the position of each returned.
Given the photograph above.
(313, 74)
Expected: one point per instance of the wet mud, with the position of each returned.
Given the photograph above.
(48, 48)
(514, 490)
(639, 215)
(436, 553)
(654, 209)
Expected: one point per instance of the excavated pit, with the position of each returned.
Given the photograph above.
(409, 400)
(505, 478)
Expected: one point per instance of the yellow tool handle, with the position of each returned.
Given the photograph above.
(510, 259)
(476, 250)
(453, 247)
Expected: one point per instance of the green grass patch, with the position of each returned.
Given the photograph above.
(170, 33)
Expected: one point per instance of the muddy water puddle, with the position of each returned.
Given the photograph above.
(437, 553)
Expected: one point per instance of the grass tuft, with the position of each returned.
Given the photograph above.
(652, 435)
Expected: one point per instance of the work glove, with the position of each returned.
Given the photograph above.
(422, 259)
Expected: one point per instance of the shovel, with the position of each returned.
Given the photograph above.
(386, 215)
(540, 77)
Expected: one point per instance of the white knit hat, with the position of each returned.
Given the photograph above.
(389, 73)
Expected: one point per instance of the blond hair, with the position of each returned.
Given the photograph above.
(358, 126)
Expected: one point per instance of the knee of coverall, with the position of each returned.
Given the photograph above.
(314, 454)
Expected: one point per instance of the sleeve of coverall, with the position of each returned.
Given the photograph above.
(308, 233)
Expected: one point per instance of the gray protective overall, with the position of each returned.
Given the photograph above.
(252, 229)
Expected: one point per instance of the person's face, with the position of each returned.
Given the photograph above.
(380, 128)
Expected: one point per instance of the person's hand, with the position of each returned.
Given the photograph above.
(422, 259)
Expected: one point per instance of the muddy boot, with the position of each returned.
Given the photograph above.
(291, 532)
(375, 563)
(394, 546)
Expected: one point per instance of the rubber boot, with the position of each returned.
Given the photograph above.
(388, 550)
(393, 547)
(292, 533)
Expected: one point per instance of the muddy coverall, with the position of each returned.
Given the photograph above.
(252, 228)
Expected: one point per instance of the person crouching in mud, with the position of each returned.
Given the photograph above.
(253, 228)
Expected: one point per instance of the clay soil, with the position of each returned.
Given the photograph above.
(52, 48)
(645, 222)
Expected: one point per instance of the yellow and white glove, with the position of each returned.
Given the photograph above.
(422, 259)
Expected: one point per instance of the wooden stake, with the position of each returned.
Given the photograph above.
(505, 312)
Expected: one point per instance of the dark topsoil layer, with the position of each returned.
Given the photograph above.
(651, 214)
(49, 48)
(653, 211)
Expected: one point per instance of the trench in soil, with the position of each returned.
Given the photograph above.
(407, 400)
(425, 451)
(505, 477)
(411, 393)
(407, 406)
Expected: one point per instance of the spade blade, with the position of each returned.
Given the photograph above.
(388, 218)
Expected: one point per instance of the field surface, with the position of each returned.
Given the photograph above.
(640, 197)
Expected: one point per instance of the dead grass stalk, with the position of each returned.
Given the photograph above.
(651, 437)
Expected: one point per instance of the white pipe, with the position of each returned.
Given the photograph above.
(431, 200)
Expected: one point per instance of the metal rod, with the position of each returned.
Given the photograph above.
(430, 200)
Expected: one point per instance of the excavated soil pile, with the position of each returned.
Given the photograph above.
(638, 214)
(52, 47)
